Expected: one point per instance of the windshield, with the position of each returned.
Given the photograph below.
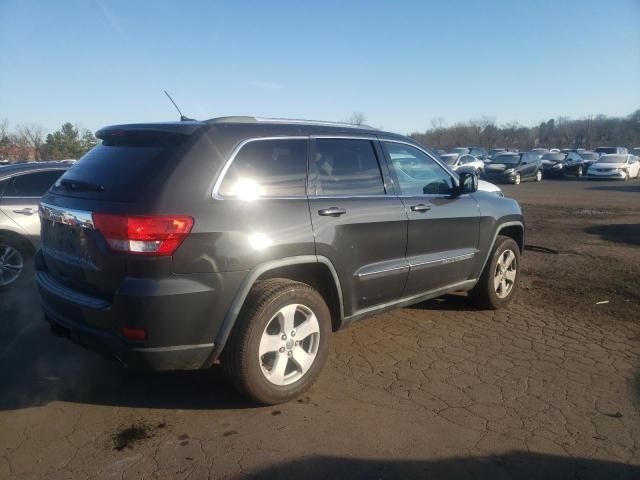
(589, 156)
(607, 150)
(554, 157)
(450, 158)
(613, 159)
(507, 159)
(459, 150)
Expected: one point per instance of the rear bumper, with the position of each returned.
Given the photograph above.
(183, 357)
(181, 316)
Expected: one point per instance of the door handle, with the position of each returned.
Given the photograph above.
(421, 207)
(25, 211)
(332, 212)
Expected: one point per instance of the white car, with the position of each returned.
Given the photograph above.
(615, 166)
(484, 186)
(457, 160)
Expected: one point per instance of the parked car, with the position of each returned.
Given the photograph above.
(477, 152)
(615, 166)
(21, 187)
(588, 159)
(494, 152)
(539, 151)
(455, 161)
(611, 150)
(514, 168)
(561, 164)
(228, 249)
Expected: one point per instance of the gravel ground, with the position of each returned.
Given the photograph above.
(548, 388)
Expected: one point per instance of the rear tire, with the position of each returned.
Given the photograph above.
(15, 262)
(499, 280)
(280, 341)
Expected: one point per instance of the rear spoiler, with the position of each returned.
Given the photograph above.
(171, 128)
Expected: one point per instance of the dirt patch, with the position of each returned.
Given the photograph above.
(127, 437)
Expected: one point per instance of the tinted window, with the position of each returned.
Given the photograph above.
(271, 168)
(347, 167)
(416, 172)
(122, 170)
(31, 184)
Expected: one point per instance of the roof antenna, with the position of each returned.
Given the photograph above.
(182, 117)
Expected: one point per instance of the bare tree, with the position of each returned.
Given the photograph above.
(357, 118)
(31, 135)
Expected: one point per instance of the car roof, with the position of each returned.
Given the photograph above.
(18, 168)
(256, 126)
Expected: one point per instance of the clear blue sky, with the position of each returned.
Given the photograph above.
(98, 62)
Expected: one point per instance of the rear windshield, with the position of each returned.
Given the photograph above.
(607, 150)
(115, 172)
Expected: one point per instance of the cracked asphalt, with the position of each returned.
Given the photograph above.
(548, 388)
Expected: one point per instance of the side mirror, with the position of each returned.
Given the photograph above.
(468, 184)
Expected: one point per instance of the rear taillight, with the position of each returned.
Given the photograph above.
(143, 235)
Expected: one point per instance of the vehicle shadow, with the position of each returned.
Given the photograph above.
(454, 301)
(617, 188)
(618, 233)
(37, 368)
(515, 464)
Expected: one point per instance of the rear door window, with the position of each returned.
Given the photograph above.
(33, 184)
(347, 167)
(268, 168)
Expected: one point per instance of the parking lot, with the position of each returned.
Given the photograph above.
(547, 388)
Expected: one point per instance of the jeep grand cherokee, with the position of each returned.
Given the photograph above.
(246, 240)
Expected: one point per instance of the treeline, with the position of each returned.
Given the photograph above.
(561, 132)
(32, 142)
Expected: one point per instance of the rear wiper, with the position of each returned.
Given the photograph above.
(80, 186)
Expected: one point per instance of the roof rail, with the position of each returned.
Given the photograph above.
(312, 122)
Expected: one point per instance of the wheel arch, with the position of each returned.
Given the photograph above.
(316, 271)
(514, 229)
(18, 239)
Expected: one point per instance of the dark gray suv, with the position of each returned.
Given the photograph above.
(246, 240)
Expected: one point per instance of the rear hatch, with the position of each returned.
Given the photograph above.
(118, 177)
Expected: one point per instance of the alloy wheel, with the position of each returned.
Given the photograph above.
(11, 264)
(289, 344)
(505, 275)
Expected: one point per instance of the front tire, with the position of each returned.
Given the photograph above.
(280, 341)
(517, 179)
(499, 280)
(539, 176)
(579, 172)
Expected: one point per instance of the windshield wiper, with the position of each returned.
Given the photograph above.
(81, 186)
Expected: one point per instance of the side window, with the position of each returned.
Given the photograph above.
(416, 172)
(347, 167)
(466, 159)
(31, 184)
(269, 168)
